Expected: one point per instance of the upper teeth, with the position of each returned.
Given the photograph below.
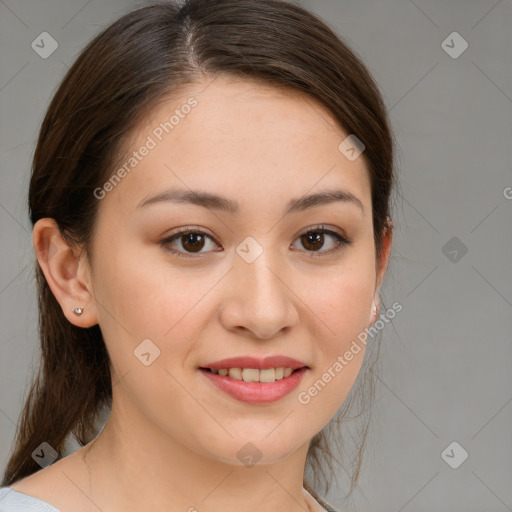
(255, 375)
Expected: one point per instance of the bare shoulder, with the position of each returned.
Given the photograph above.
(59, 485)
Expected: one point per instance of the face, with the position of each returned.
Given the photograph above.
(179, 285)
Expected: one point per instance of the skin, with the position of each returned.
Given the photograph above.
(172, 439)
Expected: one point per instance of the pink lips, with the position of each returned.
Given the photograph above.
(256, 392)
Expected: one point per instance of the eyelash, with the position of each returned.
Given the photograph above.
(341, 242)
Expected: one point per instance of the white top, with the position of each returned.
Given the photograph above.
(14, 501)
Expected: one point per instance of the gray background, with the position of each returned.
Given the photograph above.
(445, 373)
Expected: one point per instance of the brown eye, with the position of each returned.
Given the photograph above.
(313, 240)
(192, 242)
(188, 242)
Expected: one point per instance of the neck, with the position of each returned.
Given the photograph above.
(133, 465)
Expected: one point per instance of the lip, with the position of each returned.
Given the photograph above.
(256, 392)
(254, 362)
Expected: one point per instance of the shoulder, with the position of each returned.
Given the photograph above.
(14, 501)
(50, 489)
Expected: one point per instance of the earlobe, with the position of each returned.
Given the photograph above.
(66, 272)
(375, 310)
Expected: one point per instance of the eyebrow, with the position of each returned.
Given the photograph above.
(216, 202)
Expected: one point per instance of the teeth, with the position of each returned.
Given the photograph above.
(268, 375)
(254, 375)
(251, 375)
(235, 373)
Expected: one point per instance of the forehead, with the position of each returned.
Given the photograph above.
(240, 139)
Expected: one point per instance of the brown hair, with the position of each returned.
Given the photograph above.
(117, 79)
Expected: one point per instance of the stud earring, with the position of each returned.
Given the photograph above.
(78, 311)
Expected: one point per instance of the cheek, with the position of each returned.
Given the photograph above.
(142, 295)
(342, 299)
(342, 311)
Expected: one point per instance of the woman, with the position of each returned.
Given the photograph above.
(210, 208)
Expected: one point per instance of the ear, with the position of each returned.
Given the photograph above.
(67, 272)
(381, 266)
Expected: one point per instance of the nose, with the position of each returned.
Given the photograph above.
(259, 300)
